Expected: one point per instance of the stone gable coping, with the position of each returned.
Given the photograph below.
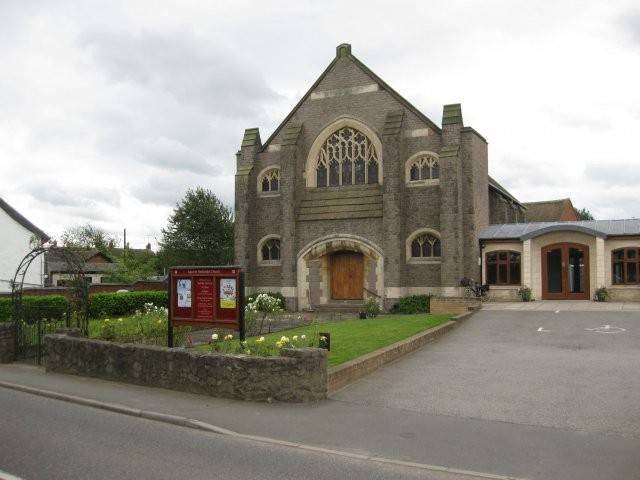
(251, 137)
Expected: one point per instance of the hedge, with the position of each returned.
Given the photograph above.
(36, 306)
(413, 304)
(125, 303)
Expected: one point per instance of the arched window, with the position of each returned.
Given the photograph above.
(625, 265)
(422, 168)
(503, 268)
(269, 251)
(269, 181)
(347, 158)
(423, 246)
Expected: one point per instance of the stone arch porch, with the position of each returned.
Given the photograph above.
(313, 264)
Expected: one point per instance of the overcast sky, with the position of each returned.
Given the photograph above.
(109, 111)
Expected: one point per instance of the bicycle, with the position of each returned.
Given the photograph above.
(473, 289)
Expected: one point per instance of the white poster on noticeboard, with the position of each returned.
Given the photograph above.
(184, 293)
(227, 293)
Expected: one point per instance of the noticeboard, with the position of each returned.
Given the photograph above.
(206, 296)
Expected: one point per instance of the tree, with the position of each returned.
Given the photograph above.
(584, 214)
(87, 237)
(131, 266)
(199, 232)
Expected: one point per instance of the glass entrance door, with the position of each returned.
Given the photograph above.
(565, 272)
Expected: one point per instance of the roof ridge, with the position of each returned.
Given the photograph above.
(549, 201)
(369, 72)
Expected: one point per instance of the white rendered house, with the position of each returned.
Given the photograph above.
(17, 236)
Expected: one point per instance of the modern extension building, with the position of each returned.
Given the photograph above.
(358, 194)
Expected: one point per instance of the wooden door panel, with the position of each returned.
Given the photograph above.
(347, 276)
(565, 293)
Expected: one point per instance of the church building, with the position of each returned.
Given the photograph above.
(357, 194)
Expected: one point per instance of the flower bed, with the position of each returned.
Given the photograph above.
(349, 338)
(148, 326)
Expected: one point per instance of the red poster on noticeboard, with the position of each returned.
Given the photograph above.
(206, 296)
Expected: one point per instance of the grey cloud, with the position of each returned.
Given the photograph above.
(171, 154)
(51, 191)
(630, 22)
(166, 189)
(613, 174)
(201, 73)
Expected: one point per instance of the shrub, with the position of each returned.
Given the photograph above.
(370, 308)
(125, 303)
(265, 304)
(525, 294)
(602, 294)
(36, 306)
(251, 298)
(413, 304)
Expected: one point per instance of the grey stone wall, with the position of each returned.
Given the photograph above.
(7, 343)
(459, 207)
(299, 375)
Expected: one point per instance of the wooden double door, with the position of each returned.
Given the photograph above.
(347, 276)
(565, 272)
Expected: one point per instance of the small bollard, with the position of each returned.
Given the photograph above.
(325, 340)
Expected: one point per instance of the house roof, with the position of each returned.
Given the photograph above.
(18, 217)
(344, 51)
(547, 211)
(493, 184)
(597, 228)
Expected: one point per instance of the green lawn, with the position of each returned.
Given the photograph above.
(353, 338)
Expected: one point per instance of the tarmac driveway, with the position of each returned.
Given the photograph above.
(561, 369)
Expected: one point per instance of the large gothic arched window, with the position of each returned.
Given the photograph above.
(347, 158)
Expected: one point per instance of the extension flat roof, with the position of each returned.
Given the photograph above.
(597, 228)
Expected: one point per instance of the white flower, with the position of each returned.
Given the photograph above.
(295, 337)
(303, 337)
(214, 337)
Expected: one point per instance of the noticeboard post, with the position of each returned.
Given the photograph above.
(206, 297)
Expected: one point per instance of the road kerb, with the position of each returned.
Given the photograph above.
(203, 426)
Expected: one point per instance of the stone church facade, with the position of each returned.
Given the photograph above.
(358, 194)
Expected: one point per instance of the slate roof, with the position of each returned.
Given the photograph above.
(597, 228)
(547, 211)
(493, 184)
(18, 217)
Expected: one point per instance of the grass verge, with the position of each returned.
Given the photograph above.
(353, 338)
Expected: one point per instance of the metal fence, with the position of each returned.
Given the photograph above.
(32, 323)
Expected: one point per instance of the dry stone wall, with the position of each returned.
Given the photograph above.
(298, 375)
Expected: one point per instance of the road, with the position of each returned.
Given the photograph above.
(49, 439)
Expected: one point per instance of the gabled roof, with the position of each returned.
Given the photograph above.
(344, 51)
(597, 228)
(18, 217)
(493, 184)
(549, 210)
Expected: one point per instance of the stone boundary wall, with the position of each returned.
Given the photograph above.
(453, 305)
(355, 369)
(139, 286)
(7, 343)
(298, 375)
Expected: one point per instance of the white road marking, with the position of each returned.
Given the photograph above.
(557, 311)
(606, 329)
(7, 476)
(543, 330)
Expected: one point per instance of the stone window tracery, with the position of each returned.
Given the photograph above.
(425, 246)
(271, 250)
(347, 158)
(270, 181)
(424, 168)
